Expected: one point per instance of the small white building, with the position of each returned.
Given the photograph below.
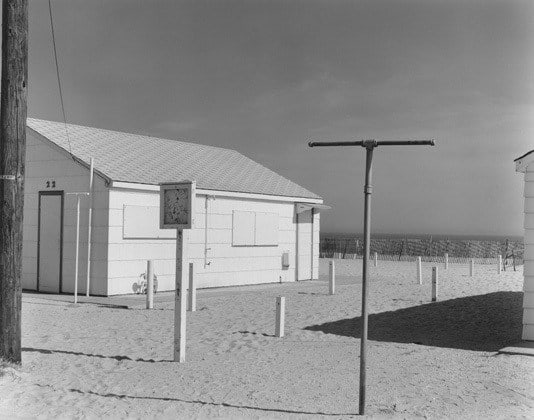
(251, 225)
(525, 164)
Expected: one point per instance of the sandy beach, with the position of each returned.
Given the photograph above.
(437, 360)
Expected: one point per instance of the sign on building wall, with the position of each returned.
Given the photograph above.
(176, 205)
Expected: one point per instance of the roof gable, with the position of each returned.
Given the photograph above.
(150, 160)
(522, 162)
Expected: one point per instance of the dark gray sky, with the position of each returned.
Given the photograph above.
(264, 77)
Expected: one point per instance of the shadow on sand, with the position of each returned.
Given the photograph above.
(216, 404)
(101, 356)
(481, 323)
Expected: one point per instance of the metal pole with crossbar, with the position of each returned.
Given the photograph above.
(369, 145)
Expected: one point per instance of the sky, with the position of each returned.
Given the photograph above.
(266, 77)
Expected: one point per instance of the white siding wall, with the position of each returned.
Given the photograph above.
(304, 244)
(316, 239)
(127, 257)
(44, 162)
(528, 288)
(228, 265)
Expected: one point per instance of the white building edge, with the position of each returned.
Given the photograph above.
(251, 224)
(525, 164)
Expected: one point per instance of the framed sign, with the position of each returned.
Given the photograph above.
(176, 205)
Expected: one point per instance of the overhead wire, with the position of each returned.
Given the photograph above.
(58, 77)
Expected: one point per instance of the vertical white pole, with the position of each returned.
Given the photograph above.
(499, 266)
(332, 278)
(434, 284)
(280, 316)
(206, 249)
(376, 259)
(149, 284)
(471, 267)
(419, 273)
(89, 227)
(446, 261)
(192, 301)
(180, 300)
(77, 248)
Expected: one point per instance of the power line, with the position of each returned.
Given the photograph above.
(57, 72)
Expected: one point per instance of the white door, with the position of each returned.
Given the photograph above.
(50, 242)
(304, 245)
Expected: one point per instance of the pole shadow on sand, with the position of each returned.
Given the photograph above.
(480, 323)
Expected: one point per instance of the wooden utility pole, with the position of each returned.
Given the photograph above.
(12, 152)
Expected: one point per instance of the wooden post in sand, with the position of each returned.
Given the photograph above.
(149, 284)
(446, 261)
(434, 284)
(499, 264)
(280, 316)
(376, 259)
(192, 301)
(180, 301)
(471, 267)
(419, 275)
(332, 277)
(14, 93)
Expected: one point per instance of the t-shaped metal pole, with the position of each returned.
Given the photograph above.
(369, 146)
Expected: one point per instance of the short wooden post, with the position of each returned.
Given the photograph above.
(332, 277)
(434, 284)
(376, 259)
(419, 275)
(499, 264)
(192, 301)
(446, 261)
(149, 284)
(280, 316)
(471, 267)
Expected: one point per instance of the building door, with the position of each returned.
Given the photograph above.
(304, 245)
(50, 241)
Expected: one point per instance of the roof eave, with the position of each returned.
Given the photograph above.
(522, 162)
(208, 191)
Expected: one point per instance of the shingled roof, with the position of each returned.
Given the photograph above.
(149, 160)
(523, 161)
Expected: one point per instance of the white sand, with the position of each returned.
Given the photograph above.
(91, 361)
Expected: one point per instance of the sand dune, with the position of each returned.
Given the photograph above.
(436, 360)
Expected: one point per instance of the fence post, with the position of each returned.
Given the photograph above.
(192, 301)
(376, 259)
(499, 264)
(419, 278)
(332, 278)
(446, 261)
(471, 267)
(280, 316)
(434, 284)
(149, 284)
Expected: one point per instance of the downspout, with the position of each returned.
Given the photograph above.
(206, 227)
(312, 211)
(296, 244)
